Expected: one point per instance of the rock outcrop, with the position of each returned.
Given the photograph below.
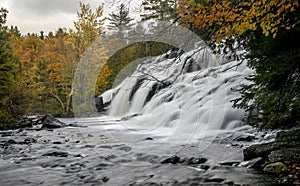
(280, 157)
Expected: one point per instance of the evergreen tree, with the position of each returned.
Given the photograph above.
(159, 9)
(10, 106)
(120, 21)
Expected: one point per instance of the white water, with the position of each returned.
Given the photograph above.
(195, 104)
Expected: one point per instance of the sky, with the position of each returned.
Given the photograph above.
(32, 16)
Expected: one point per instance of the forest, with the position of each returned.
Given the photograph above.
(37, 69)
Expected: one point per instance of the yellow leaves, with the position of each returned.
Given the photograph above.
(235, 19)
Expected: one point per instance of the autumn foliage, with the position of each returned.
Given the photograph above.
(233, 18)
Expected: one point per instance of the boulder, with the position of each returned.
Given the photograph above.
(288, 155)
(276, 168)
(50, 122)
(100, 105)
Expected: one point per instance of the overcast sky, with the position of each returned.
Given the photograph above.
(48, 15)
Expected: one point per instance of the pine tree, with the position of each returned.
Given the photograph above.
(159, 9)
(120, 21)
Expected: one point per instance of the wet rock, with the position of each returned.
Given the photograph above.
(289, 155)
(256, 163)
(25, 122)
(216, 180)
(57, 154)
(187, 161)
(90, 146)
(100, 105)
(276, 168)
(76, 125)
(193, 161)
(105, 179)
(259, 150)
(28, 141)
(109, 157)
(50, 122)
(292, 136)
(204, 167)
(172, 160)
(247, 138)
(283, 140)
(11, 141)
(6, 133)
(230, 163)
(148, 138)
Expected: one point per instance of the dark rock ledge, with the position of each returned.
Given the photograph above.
(280, 157)
(43, 122)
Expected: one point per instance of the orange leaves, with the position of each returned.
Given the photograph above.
(228, 19)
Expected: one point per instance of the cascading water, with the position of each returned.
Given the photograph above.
(188, 94)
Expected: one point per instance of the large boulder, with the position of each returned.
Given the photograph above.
(275, 168)
(50, 122)
(100, 105)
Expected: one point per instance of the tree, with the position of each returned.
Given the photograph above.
(89, 26)
(59, 65)
(90, 53)
(120, 21)
(11, 106)
(265, 29)
(159, 9)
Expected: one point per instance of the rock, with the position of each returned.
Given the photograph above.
(247, 138)
(230, 163)
(25, 122)
(187, 161)
(259, 150)
(172, 160)
(57, 154)
(288, 155)
(76, 125)
(193, 161)
(6, 133)
(204, 167)
(28, 141)
(283, 140)
(148, 138)
(50, 122)
(276, 168)
(11, 141)
(100, 105)
(292, 136)
(105, 179)
(256, 163)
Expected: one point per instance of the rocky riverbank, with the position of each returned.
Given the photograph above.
(280, 157)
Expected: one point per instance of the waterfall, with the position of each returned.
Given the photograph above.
(193, 99)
